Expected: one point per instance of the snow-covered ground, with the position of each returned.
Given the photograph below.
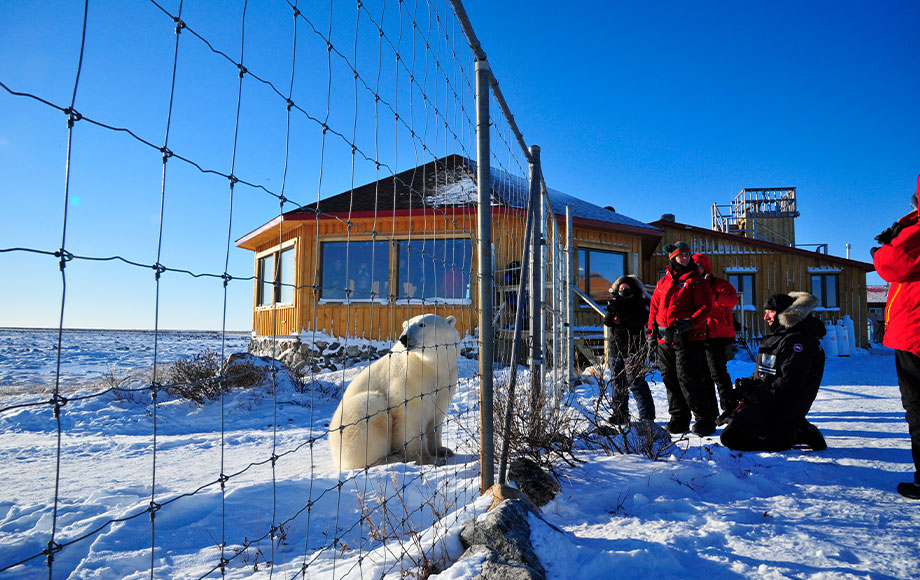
(703, 512)
(28, 357)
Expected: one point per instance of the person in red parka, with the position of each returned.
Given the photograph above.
(898, 262)
(677, 323)
(720, 331)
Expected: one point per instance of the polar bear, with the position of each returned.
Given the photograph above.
(394, 409)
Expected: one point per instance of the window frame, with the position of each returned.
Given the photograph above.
(586, 267)
(822, 294)
(748, 297)
(278, 285)
(396, 269)
(380, 295)
(391, 291)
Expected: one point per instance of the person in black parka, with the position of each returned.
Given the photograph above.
(627, 316)
(776, 398)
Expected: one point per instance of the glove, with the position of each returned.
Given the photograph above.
(730, 401)
(891, 233)
(683, 325)
(611, 318)
(745, 389)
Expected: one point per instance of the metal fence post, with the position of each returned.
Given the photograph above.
(486, 277)
(536, 287)
(569, 301)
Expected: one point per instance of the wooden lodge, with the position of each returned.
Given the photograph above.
(361, 262)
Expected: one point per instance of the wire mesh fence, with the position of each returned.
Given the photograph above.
(318, 170)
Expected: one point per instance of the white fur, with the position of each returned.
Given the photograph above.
(394, 409)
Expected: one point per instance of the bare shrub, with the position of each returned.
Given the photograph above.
(201, 377)
(126, 387)
(628, 436)
(389, 519)
(542, 428)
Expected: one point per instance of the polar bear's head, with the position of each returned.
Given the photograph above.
(430, 333)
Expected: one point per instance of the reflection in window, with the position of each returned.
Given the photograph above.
(744, 284)
(276, 278)
(434, 269)
(824, 287)
(355, 270)
(602, 269)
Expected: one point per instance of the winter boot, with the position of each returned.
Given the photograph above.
(676, 427)
(809, 435)
(909, 489)
(704, 428)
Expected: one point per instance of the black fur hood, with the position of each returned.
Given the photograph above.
(634, 281)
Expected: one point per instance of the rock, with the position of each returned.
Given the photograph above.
(497, 568)
(533, 481)
(503, 534)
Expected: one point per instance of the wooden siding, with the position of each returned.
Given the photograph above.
(774, 271)
(382, 320)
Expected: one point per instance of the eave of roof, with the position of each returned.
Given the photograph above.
(667, 224)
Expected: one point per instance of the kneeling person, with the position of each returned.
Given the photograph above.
(776, 398)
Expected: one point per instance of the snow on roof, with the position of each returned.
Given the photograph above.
(450, 181)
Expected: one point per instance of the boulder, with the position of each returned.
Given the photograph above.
(533, 481)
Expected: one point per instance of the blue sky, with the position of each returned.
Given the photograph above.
(662, 108)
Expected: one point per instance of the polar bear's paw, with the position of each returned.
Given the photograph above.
(445, 452)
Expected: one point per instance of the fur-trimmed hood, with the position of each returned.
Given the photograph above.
(634, 281)
(803, 304)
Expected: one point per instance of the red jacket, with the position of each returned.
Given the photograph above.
(899, 264)
(721, 323)
(683, 296)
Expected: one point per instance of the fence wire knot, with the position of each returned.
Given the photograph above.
(64, 256)
(223, 479)
(58, 401)
(296, 11)
(159, 269)
(243, 70)
(153, 509)
(52, 549)
(72, 116)
(179, 24)
(226, 278)
(166, 153)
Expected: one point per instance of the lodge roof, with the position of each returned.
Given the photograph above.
(450, 182)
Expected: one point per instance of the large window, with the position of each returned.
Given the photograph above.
(355, 271)
(428, 269)
(824, 287)
(436, 270)
(744, 284)
(597, 270)
(276, 278)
